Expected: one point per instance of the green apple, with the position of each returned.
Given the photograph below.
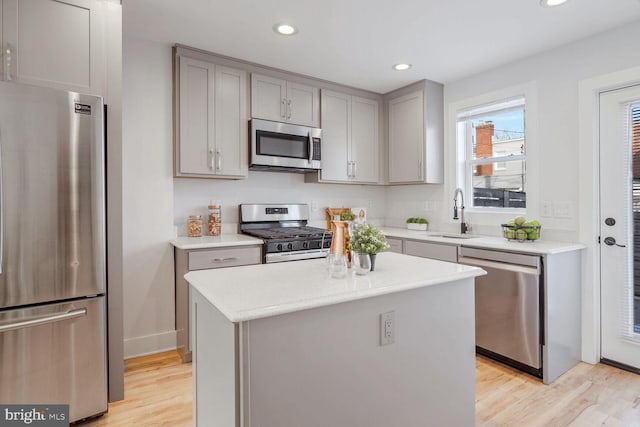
(520, 220)
(510, 234)
(533, 235)
(521, 234)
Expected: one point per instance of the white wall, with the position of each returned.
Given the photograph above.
(147, 197)
(193, 195)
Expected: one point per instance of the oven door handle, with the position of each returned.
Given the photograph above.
(498, 265)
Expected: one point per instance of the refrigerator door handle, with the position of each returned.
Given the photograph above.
(1, 213)
(52, 318)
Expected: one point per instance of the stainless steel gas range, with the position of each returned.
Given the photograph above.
(283, 227)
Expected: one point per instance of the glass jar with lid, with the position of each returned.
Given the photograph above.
(214, 220)
(194, 226)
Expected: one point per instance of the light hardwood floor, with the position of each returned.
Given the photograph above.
(158, 393)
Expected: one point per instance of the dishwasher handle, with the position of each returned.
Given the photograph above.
(499, 265)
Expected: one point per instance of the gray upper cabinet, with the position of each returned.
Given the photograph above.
(365, 142)
(211, 120)
(284, 101)
(52, 43)
(350, 138)
(416, 134)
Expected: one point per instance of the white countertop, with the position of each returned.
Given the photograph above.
(537, 247)
(264, 290)
(223, 240)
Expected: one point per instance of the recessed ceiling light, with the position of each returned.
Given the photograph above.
(401, 67)
(551, 3)
(285, 29)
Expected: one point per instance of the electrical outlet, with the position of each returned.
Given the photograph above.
(387, 328)
(314, 205)
(563, 210)
(547, 209)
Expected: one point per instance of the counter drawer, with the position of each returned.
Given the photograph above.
(224, 257)
(431, 250)
(395, 245)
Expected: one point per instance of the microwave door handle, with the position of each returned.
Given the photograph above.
(310, 148)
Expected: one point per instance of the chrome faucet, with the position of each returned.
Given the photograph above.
(463, 225)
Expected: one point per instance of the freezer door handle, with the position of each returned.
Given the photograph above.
(1, 212)
(50, 318)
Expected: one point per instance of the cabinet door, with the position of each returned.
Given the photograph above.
(406, 138)
(303, 104)
(431, 250)
(336, 111)
(55, 44)
(230, 123)
(364, 140)
(3, 56)
(196, 118)
(268, 98)
(395, 245)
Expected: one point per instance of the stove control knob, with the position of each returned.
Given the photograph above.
(290, 246)
(279, 247)
(305, 245)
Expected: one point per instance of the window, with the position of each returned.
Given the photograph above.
(491, 141)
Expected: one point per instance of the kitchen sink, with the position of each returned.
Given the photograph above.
(453, 236)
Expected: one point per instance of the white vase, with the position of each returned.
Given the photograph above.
(413, 226)
(361, 263)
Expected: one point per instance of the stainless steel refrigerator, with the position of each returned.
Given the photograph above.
(52, 249)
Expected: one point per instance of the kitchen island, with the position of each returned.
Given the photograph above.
(285, 345)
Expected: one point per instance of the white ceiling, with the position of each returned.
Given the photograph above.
(355, 42)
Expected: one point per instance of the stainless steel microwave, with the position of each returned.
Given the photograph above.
(284, 147)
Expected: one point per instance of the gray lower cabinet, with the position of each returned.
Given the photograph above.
(442, 252)
(395, 245)
(201, 259)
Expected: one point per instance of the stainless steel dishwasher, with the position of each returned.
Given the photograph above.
(508, 307)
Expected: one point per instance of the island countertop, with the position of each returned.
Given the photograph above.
(258, 291)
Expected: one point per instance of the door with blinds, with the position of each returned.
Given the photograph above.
(620, 226)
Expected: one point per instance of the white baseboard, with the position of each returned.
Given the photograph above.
(149, 344)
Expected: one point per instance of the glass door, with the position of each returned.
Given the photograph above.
(620, 226)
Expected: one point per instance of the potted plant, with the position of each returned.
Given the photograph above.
(367, 239)
(417, 224)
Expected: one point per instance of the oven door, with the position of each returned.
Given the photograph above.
(295, 256)
(281, 145)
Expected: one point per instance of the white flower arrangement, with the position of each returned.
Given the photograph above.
(368, 239)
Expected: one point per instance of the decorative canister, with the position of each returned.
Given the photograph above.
(214, 220)
(194, 226)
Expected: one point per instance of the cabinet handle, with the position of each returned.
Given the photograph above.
(283, 108)
(7, 63)
(348, 169)
(233, 258)
(218, 160)
(289, 113)
(212, 166)
(355, 169)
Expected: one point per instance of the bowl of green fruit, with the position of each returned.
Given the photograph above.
(521, 230)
